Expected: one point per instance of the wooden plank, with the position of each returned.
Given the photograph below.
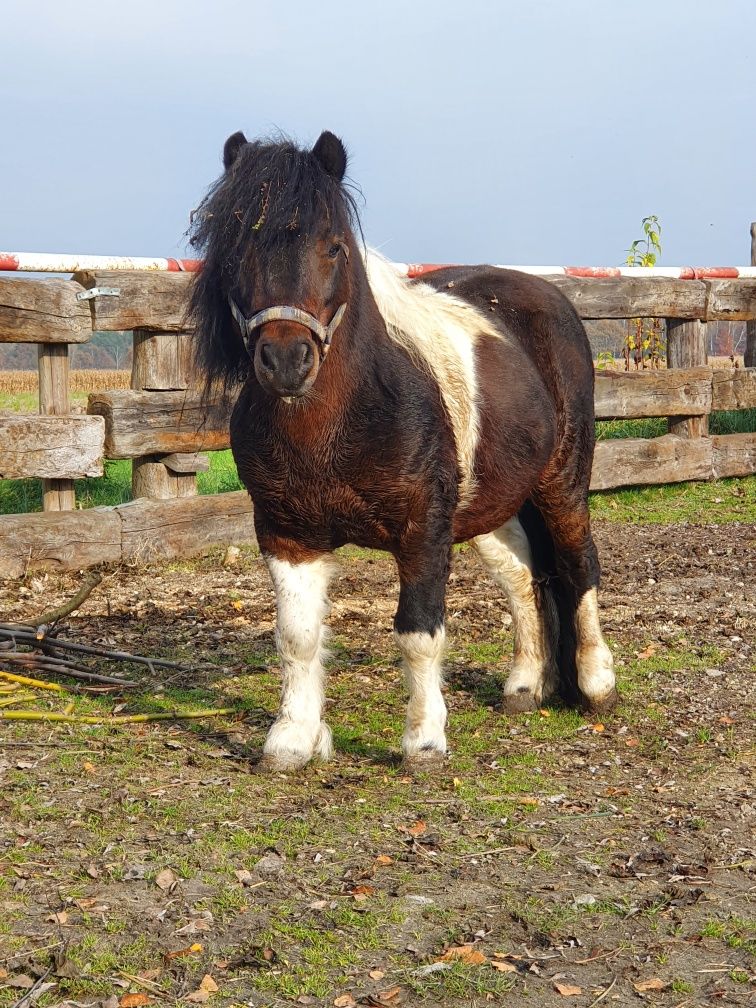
(733, 388)
(43, 311)
(150, 477)
(147, 300)
(68, 541)
(632, 297)
(138, 423)
(630, 394)
(733, 455)
(749, 357)
(644, 461)
(157, 530)
(52, 365)
(686, 348)
(50, 448)
(162, 360)
(186, 462)
(730, 300)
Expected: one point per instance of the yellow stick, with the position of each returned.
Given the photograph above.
(18, 698)
(127, 719)
(36, 683)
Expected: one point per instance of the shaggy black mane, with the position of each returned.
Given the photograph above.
(271, 194)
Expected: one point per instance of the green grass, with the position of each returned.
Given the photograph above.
(715, 503)
(726, 422)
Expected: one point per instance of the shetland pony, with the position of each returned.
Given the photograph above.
(401, 416)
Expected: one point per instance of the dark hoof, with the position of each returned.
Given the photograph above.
(424, 761)
(604, 705)
(519, 702)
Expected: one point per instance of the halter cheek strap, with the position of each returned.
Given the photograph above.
(287, 313)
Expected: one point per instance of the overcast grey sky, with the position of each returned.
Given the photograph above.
(479, 131)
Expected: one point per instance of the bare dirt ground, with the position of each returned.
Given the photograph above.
(554, 860)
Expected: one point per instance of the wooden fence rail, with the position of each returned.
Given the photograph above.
(162, 423)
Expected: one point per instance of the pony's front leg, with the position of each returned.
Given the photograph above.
(421, 636)
(299, 733)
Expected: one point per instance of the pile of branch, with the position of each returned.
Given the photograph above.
(32, 650)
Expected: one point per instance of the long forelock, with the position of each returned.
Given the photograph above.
(273, 193)
(438, 332)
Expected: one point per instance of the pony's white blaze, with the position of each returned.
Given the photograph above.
(595, 664)
(298, 733)
(438, 331)
(506, 555)
(426, 710)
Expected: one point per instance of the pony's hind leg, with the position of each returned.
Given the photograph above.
(507, 555)
(298, 734)
(579, 572)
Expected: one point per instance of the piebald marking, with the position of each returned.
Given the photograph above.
(426, 710)
(506, 555)
(438, 331)
(298, 732)
(595, 664)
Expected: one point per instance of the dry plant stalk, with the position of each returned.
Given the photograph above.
(25, 715)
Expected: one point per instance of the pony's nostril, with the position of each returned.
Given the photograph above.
(305, 354)
(267, 357)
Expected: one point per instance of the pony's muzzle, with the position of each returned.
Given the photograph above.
(286, 368)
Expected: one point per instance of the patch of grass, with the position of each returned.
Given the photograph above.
(459, 982)
(716, 503)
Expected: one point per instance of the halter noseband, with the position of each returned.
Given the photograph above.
(287, 313)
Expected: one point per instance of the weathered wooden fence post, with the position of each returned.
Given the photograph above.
(162, 362)
(52, 363)
(749, 357)
(686, 348)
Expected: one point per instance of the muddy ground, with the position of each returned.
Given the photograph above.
(553, 859)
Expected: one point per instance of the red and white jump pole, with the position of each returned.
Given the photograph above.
(53, 262)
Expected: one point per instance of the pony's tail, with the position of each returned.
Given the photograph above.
(556, 601)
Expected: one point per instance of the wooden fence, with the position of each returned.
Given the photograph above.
(163, 425)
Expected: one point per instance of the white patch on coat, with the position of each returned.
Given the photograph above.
(298, 732)
(506, 555)
(426, 710)
(595, 664)
(438, 331)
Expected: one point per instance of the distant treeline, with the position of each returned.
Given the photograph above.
(104, 352)
(112, 350)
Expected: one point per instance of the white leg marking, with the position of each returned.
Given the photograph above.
(426, 711)
(594, 659)
(506, 554)
(298, 732)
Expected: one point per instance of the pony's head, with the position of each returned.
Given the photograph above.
(275, 231)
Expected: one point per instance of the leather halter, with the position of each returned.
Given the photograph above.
(323, 334)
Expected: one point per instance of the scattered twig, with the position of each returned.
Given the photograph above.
(118, 720)
(603, 994)
(25, 681)
(26, 997)
(53, 615)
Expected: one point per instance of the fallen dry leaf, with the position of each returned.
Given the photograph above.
(597, 728)
(61, 917)
(376, 974)
(652, 984)
(567, 990)
(362, 891)
(416, 829)
(196, 947)
(344, 1001)
(391, 994)
(133, 1000)
(726, 720)
(631, 743)
(165, 879)
(503, 966)
(204, 992)
(647, 652)
(464, 953)
(384, 859)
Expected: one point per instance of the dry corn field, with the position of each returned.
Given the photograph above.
(79, 381)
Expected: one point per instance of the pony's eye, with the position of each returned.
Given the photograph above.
(333, 251)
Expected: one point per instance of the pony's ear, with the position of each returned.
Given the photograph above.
(330, 152)
(231, 148)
